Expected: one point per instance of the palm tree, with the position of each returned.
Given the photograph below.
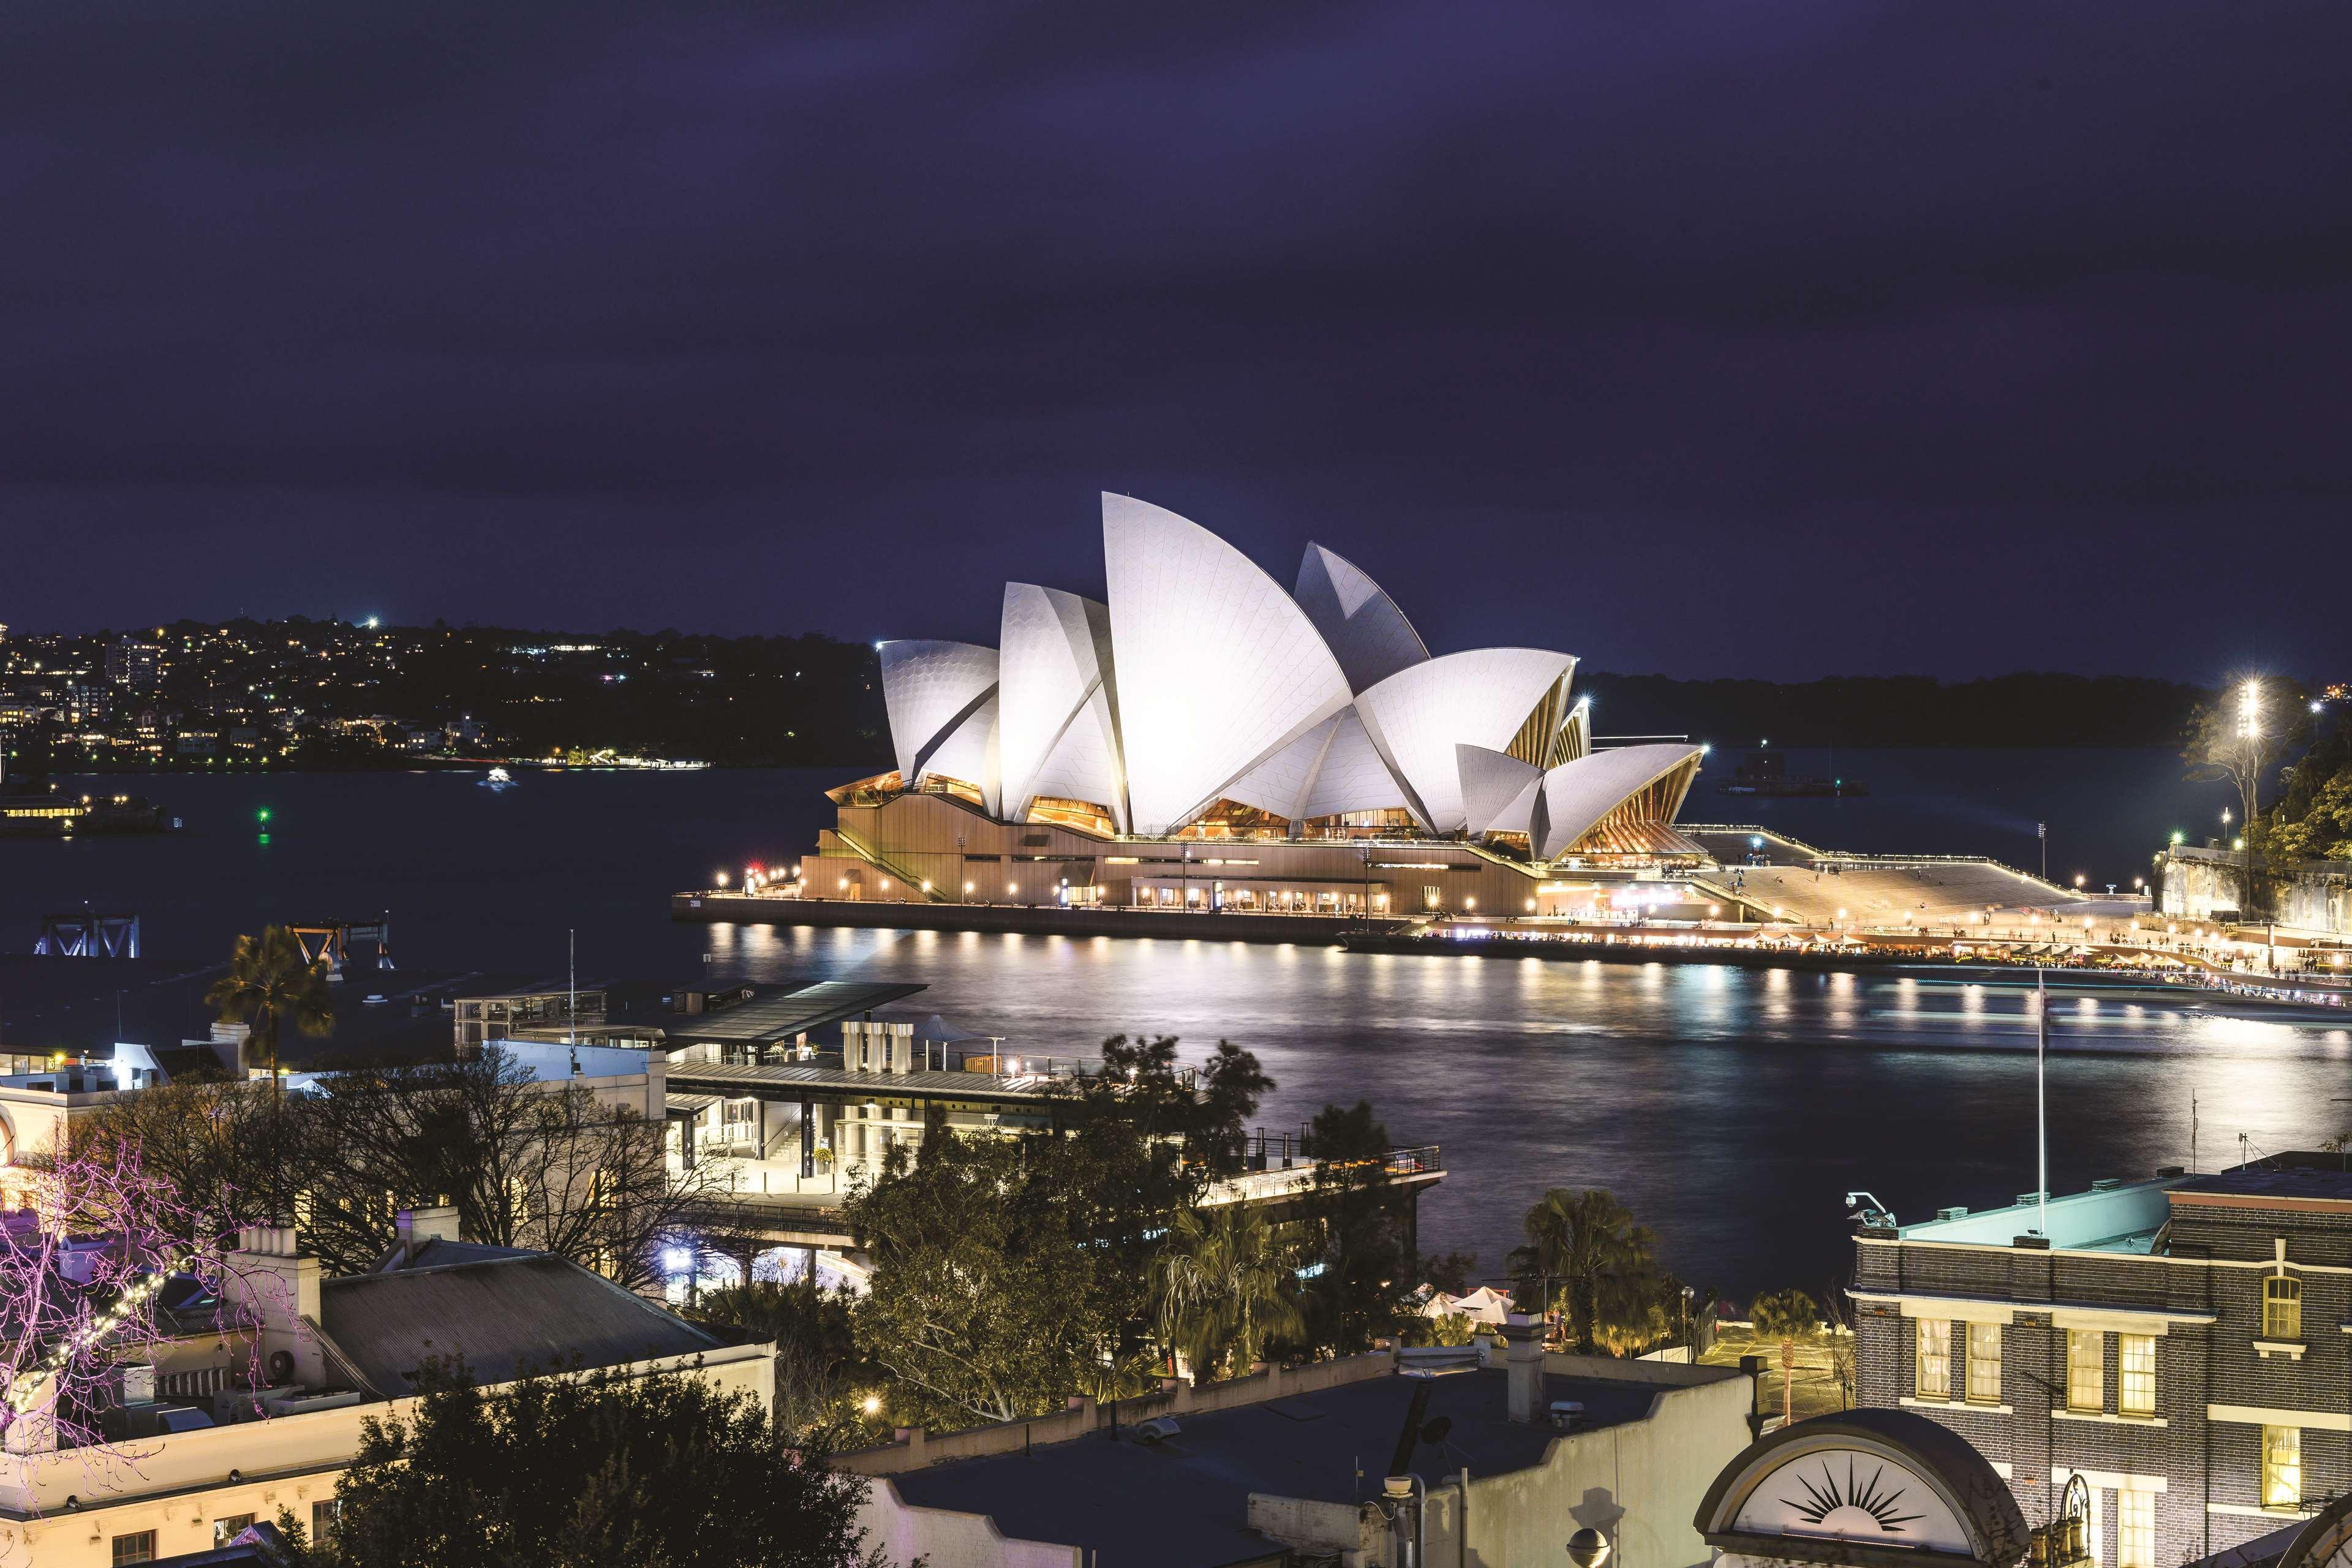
(1588, 1242)
(1787, 1316)
(1225, 1288)
(270, 979)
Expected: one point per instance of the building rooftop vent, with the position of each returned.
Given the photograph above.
(2106, 1184)
(1159, 1429)
(1958, 1211)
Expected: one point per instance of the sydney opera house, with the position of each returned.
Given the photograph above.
(1206, 739)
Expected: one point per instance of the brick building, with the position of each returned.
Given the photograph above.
(2184, 1344)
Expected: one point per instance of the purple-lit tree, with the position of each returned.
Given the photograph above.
(85, 1287)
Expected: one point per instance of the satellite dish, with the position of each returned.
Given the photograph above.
(1434, 1432)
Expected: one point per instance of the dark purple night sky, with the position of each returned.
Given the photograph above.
(1708, 337)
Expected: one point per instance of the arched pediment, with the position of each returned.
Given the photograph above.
(1870, 1488)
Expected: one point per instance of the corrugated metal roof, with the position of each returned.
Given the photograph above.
(793, 1013)
(740, 1077)
(502, 1315)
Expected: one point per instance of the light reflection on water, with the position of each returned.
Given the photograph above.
(1730, 1108)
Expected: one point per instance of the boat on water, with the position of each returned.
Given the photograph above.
(497, 779)
(1765, 772)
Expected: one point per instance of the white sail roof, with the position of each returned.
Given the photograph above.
(929, 689)
(1217, 667)
(1367, 632)
(968, 751)
(1333, 768)
(1417, 716)
(1496, 785)
(1055, 735)
(1577, 794)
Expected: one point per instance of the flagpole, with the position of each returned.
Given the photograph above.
(2041, 1105)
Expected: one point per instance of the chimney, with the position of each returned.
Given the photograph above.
(270, 1279)
(1523, 1367)
(419, 1225)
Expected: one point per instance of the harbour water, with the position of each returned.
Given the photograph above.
(1731, 1110)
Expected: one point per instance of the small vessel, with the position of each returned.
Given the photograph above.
(498, 778)
(1765, 772)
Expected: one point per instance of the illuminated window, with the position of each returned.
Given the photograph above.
(1984, 1363)
(2136, 1359)
(1935, 1378)
(2086, 1379)
(2282, 1466)
(229, 1527)
(2282, 1308)
(2134, 1530)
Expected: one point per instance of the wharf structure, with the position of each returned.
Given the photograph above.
(746, 1079)
(2182, 1344)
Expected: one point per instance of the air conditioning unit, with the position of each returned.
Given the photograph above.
(303, 1401)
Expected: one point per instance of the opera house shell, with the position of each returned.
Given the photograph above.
(1204, 686)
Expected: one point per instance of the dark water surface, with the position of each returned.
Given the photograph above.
(1730, 1110)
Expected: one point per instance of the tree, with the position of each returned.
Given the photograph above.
(269, 983)
(1225, 1285)
(1360, 1269)
(820, 1377)
(1787, 1316)
(117, 1264)
(2237, 737)
(528, 1163)
(1603, 1261)
(580, 1469)
(990, 1300)
(223, 1147)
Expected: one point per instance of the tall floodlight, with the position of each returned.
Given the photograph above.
(2041, 1106)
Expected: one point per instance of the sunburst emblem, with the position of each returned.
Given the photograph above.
(1821, 1501)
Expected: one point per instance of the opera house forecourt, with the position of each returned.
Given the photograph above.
(1209, 741)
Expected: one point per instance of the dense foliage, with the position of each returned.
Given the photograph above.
(588, 1469)
(1095, 1257)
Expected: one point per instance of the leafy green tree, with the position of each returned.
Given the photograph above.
(270, 984)
(1360, 1269)
(822, 1382)
(1225, 1285)
(578, 1470)
(1791, 1317)
(1602, 1262)
(989, 1300)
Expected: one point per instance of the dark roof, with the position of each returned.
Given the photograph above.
(435, 1253)
(786, 1077)
(503, 1315)
(780, 1016)
(2305, 1175)
(1194, 1488)
(257, 1542)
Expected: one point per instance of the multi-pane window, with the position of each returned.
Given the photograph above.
(2087, 1373)
(2282, 1466)
(2134, 1530)
(2135, 1363)
(324, 1517)
(1984, 1363)
(1935, 1358)
(229, 1527)
(139, 1547)
(2282, 1308)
